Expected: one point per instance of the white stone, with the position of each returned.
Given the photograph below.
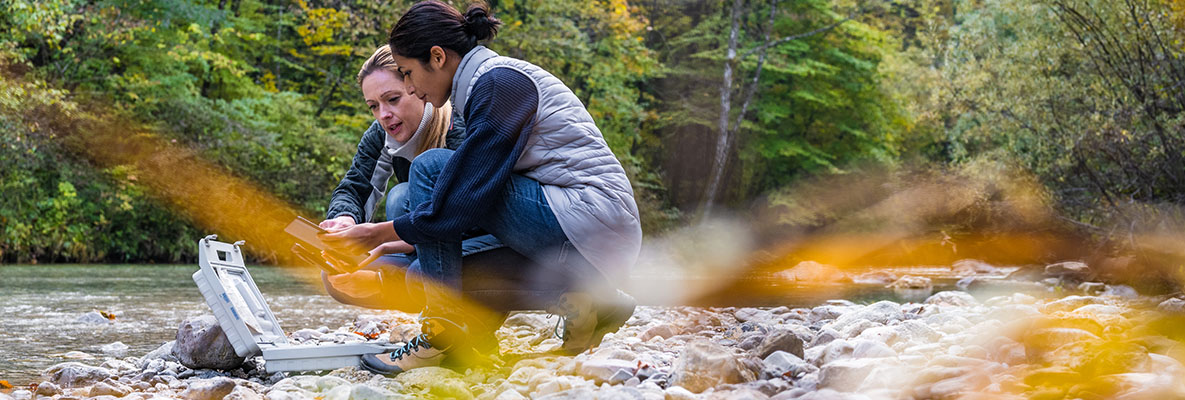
(952, 298)
(871, 349)
(115, 349)
(326, 383)
(679, 393)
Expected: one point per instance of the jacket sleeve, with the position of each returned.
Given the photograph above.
(350, 196)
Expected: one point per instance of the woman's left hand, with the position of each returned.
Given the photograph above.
(359, 238)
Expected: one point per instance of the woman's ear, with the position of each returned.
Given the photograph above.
(437, 57)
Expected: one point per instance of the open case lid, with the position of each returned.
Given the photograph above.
(231, 293)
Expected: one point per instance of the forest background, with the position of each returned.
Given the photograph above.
(954, 119)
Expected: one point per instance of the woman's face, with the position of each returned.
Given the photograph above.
(387, 98)
(431, 81)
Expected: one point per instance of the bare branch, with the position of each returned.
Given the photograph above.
(768, 44)
(721, 158)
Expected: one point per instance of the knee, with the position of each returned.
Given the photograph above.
(431, 162)
(397, 200)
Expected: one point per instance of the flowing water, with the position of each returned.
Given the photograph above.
(40, 306)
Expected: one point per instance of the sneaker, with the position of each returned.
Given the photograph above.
(417, 353)
(584, 322)
(420, 351)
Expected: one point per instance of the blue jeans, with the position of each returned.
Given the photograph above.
(521, 219)
(493, 275)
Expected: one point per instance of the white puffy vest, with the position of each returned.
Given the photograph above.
(584, 183)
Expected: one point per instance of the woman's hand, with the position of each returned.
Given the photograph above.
(358, 238)
(337, 224)
(397, 246)
(358, 284)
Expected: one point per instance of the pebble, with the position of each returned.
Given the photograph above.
(952, 298)
(703, 365)
(115, 349)
(782, 340)
(604, 370)
(94, 318)
(47, 389)
(208, 389)
(752, 314)
(664, 331)
(73, 374)
(1173, 306)
(109, 388)
(1069, 271)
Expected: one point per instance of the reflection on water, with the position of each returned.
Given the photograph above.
(40, 306)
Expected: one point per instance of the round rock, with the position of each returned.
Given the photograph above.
(201, 344)
(704, 365)
(73, 374)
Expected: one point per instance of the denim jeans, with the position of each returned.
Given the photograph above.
(396, 201)
(521, 218)
(492, 274)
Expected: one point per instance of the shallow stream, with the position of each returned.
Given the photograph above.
(40, 306)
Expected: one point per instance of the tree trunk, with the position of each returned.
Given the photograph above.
(751, 90)
(722, 142)
(328, 96)
(217, 24)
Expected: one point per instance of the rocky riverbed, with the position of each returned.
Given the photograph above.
(951, 345)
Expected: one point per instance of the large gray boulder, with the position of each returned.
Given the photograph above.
(201, 344)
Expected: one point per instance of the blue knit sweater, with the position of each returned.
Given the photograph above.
(498, 114)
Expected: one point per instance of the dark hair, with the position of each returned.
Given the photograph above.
(433, 23)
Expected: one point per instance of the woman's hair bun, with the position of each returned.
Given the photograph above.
(479, 23)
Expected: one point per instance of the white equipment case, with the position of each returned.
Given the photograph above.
(250, 325)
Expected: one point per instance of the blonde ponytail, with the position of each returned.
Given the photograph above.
(437, 129)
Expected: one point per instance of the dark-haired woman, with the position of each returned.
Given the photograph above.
(533, 170)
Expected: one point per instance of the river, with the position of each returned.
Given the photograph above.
(40, 306)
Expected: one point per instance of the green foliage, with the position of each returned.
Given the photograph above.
(60, 208)
(1083, 93)
(820, 103)
(597, 48)
(1089, 102)
(265, 89)
(826, 88)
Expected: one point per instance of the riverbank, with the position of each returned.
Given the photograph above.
(949, 345)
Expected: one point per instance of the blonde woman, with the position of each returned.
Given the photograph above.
(404, 127)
